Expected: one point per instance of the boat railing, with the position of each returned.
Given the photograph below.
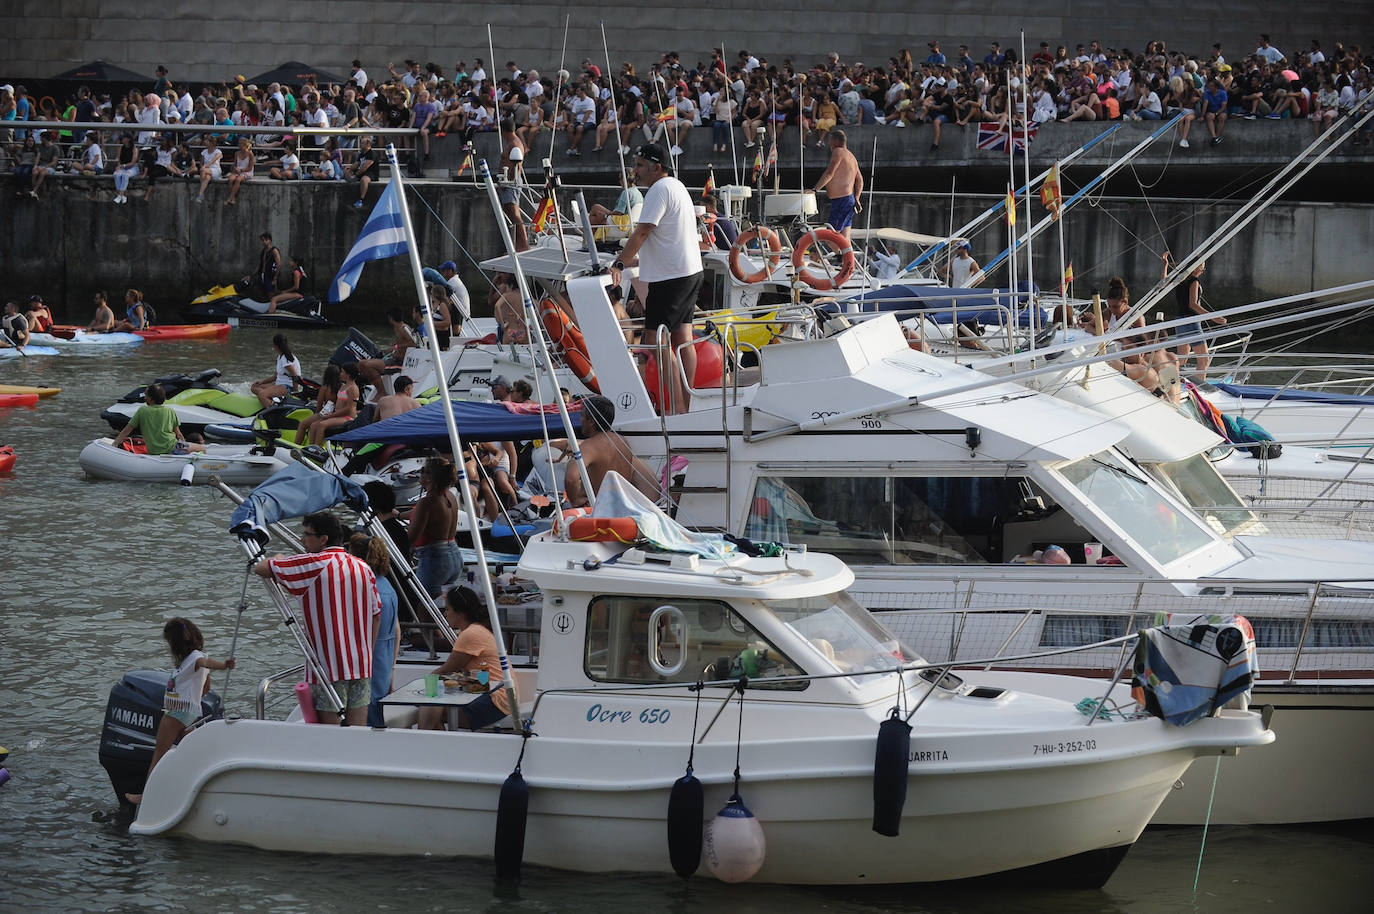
(1301, 627)
(264, 686)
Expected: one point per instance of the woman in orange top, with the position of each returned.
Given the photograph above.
(473, 652)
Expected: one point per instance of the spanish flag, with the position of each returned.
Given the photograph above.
(1068, 280)
(1010, 204)
(668, 114)
(710, 187)
(541, 215)
(1050, 194)
(758, 165)
(467, 163)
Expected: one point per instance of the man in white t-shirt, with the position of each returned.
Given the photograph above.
(665, 244)
(581, 117)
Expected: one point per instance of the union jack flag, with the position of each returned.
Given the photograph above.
(993, 137)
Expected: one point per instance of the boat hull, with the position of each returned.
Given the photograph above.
(173, 332)
(233, 464)
(598, 806)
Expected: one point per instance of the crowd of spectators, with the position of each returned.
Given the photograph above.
(672, 98)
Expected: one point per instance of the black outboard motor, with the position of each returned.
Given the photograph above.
(355, 348)
(129, 736)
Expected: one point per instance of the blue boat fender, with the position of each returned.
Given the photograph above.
(512, 812)
(686, 813)
(890, 774)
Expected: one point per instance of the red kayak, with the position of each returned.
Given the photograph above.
(161, 333)
(167, 332)
(7, 458)
(7, 400)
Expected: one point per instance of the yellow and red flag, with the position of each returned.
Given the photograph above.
(1050, 194)
(1010, 204)
(467, 163)
(710, 187)
(758, 165)
(772, 157)
(1068, 280)
(667, 114)
(541, 215)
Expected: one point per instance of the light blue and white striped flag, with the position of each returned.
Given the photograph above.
(383, 236)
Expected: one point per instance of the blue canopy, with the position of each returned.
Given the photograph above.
(1262, 392)
(294, 491)
(942, 304)
(476, 422)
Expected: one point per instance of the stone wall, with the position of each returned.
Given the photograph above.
(75, 241)
(203, 41)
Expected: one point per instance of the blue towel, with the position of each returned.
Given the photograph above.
(294, 491)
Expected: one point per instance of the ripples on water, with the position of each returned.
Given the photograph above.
(88, 572)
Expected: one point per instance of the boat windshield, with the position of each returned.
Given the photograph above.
(844, 633)
(1137, 507)
(1206, 492)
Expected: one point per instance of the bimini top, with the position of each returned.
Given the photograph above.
(477, 421)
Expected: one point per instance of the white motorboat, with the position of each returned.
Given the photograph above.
(625, 636)
(234, 464)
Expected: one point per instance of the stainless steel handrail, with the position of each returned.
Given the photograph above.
(267, 683)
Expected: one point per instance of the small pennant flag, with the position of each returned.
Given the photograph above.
(758, 166)
(772, 157)
(1010, 204)
(541, 215)
(1068, 280)
(710, 187)
(383, 236)
(668, 114)
(1050, 194)
(467, 163)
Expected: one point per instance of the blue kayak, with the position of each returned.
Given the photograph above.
(10, 353)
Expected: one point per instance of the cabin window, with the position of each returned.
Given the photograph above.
(698, 639)
(1137, 507)
(1207, 493)
(846, 635)
(912, 520)
(1076, 630)
(1330, 633)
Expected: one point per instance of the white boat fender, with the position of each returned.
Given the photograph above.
(512, 811)
(687, 810)
(188, 474)
(890, 774)
(735, 844)
(734, 838)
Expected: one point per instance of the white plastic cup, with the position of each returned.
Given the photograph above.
(1092, 553)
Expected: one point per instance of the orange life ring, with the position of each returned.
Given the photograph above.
(564, 334)
(824, 281)
(766, 236)
(604, 530)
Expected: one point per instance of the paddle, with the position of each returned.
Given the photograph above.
(18, 348)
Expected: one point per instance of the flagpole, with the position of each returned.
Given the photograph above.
(491, 56)
(739, 109)
(1011, 205)
(620, 178)
(1063, 274)
(455, 440)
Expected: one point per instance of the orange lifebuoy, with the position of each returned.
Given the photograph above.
(564, 334)
(766, 236)
(824, 281)
(604, 530)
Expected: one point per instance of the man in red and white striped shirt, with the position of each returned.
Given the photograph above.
(341, 609)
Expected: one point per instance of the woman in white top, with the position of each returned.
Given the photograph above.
(286, 378)
(185, 687)
(210, 158)
(243, 169)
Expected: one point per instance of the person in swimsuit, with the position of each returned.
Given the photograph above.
(434, 526)
(330, 383)
(842, 182)
(344, 408)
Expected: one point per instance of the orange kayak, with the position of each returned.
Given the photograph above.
(166, 332)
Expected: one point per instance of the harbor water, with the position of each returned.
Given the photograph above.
(88, 572)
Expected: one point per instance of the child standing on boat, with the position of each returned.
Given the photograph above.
(189, 681)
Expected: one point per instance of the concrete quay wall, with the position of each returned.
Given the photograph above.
(75, 241)
(203, 41)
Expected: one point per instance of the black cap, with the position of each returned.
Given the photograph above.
(37, 298)
(653, 152)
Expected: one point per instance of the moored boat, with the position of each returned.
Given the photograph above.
(235, 464)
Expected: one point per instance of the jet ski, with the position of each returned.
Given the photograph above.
(225, 304)
(200, 402)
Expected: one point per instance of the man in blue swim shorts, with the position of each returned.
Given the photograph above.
(842, 182)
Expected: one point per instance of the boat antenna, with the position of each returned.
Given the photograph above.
(491, 58)
(730, 87)
(619, 146)
(454, 438)
(1024, 66)
(558, 84)
(532, 320)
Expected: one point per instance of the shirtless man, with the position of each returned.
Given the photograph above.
(843, 183)
(399, 402)
(603, 450)
(512, 160)
(104, 319)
